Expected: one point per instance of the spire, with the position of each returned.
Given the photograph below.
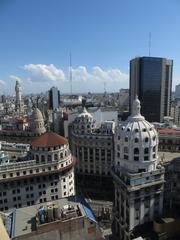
(136, 107)
(136, 113)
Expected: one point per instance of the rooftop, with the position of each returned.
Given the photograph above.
(25, 220)
(49, 139)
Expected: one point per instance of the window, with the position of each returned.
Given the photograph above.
(126, 139)
(146, 151)
(146, 139)
(136, 150)
(136, 158)
(49, 158)
(37, 158)
(42, 158)
(136, 140)
(154, 149)
(125, 149)
(55, 157)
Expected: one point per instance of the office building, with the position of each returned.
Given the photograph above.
(93, 147)
(54, 98)
(151, 81)
(138, 176)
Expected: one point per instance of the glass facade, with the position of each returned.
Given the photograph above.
(150, 79)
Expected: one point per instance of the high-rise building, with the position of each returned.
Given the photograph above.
(138, 176)
(54, 98)
(151, 80)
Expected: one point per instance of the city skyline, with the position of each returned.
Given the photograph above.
(101, 36)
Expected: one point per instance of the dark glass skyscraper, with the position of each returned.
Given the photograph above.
(54, 98)
(151, 80)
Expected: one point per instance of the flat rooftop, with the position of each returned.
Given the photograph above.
(24, 219)
(168, 156)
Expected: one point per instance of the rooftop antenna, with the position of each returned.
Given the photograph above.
(70, 73)
(149, 44)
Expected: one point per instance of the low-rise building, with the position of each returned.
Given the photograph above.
(66, 218)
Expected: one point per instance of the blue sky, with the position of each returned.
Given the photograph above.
(36, 37)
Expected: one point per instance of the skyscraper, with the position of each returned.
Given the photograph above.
(151, 80)
(54, 98)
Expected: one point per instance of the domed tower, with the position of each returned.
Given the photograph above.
(138, 178)
(18, 101)
(37, 122)
(84, 123)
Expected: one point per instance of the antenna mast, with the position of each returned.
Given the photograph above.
(70, 73)
(149, 44)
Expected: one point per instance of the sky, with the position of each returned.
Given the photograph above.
(102, 36)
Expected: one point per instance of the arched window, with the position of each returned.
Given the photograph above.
(136, 140)
(146, 139)
(55, 157)
(49, 158)
(136, 150)
(37, 158)
(61, 155)
(154, 149)
(146, 151)
(42, 158)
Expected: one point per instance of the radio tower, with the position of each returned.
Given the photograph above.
(149, 44)
(70, 73)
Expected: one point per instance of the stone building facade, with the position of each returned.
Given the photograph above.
(47, 173)
(138, 178)
(92, 146)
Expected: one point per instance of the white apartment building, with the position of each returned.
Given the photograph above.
(92, 146)
(45, 174)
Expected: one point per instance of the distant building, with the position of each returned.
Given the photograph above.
(22, 130)
(177, 91)
(54, 98)
(151, 80)
(66, 218)
(138, 177)
(45, 174)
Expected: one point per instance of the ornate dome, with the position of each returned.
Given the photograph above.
(37, 122)
(136, 143)
(83, 123)
(37, 115)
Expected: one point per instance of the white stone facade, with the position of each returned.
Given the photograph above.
(138, 179)
(47, 175)
(91, 145)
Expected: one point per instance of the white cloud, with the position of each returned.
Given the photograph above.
(98, 74)
(80, 74)
(112, 75)
(42, 72)
(2, 83)
(15, 78)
